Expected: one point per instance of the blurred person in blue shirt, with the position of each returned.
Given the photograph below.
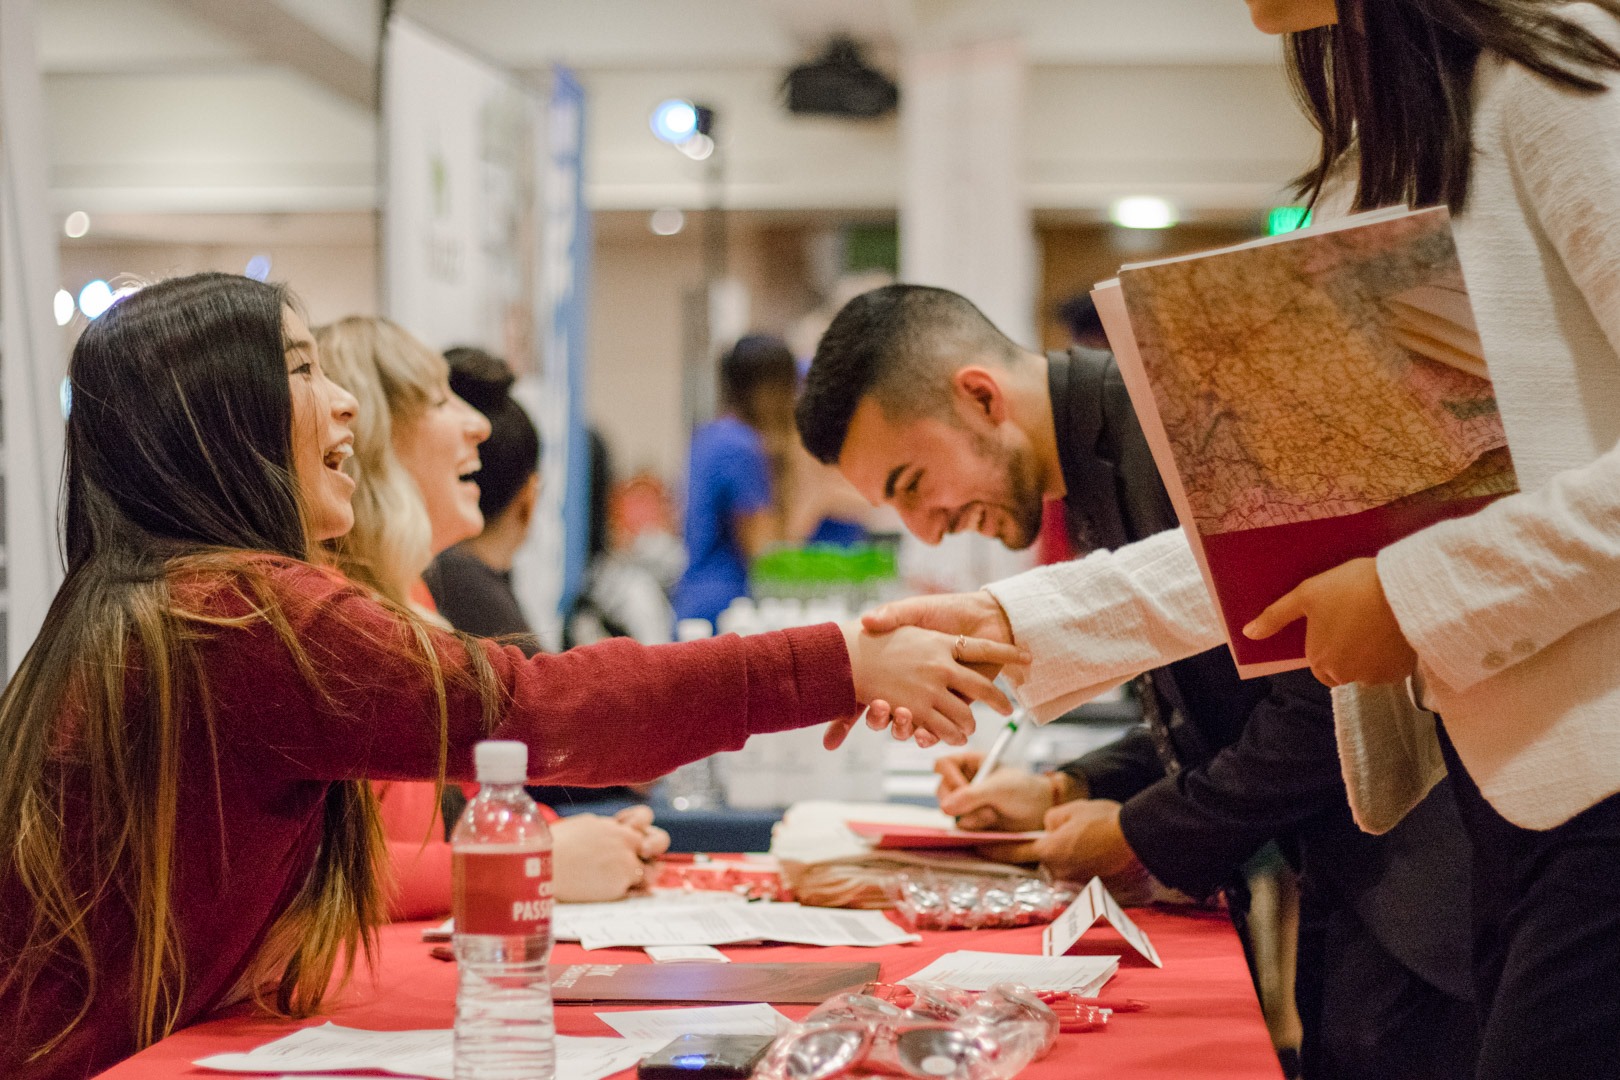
(735, 475)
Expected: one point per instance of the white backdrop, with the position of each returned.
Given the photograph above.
(466, 164)
(965, 225)
(31, 351)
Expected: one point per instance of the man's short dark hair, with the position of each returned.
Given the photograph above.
(901, 344)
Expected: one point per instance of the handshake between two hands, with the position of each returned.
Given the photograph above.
(919, 664)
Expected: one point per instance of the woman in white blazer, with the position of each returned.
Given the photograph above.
(1505, 624)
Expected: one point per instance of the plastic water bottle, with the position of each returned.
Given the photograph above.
(501, 855)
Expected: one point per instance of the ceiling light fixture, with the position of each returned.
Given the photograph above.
(1143, 212)
(674, 120)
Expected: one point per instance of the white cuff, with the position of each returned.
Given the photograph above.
(1095, 622)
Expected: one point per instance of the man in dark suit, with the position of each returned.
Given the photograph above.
(924, 405)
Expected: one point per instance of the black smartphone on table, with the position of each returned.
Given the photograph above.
(709, 1057)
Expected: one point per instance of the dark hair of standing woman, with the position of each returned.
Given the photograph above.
(1391, 86)
(178, 463)
(757, 362)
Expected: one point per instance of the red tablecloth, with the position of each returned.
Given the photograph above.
(1202, 1018)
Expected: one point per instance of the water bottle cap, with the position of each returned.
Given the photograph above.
(501, 761)
(693, 630)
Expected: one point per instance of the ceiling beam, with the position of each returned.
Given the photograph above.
(278, 35)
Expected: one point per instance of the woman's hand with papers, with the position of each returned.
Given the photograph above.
(925, 681)
(1012, 799)
(1351, 634)
(597, 859)
(1083, 840)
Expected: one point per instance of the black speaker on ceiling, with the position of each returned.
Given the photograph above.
(840, 83)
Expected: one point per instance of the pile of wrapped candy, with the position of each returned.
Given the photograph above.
(943, 902)
(756, 878)
(943, 1032)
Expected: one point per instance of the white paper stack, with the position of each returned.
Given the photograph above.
(1082, 975)
(331, 1049)
(730, 924)
(662, 1025)
(564, 916)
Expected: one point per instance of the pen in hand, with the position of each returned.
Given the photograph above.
(998, 750)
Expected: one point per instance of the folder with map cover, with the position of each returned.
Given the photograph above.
(1309, 399)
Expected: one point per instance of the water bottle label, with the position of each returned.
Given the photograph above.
(507, 893)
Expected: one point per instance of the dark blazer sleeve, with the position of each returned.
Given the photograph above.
(1192, 831)
(1121, 769)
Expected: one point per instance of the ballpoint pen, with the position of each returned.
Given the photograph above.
(998, 750)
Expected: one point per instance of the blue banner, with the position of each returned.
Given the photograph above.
(566, 239)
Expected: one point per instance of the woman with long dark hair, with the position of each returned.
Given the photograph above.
(185, 818)
(1506, 111)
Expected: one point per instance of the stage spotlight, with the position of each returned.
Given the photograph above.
(76, 225)
(258, 268)
(1143, 212)
(675, 120)
(63, 307)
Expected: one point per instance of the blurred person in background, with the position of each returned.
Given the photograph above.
(417, 451)
(735, 476)
(1079, 317)
(623, 595)
(642, 522)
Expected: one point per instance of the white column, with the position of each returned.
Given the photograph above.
(32, 364)
(964, 220)
(965, 225)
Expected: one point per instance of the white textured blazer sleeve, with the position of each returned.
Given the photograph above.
(1095, 622)
(1481, 594)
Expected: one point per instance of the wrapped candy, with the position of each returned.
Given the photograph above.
(930, 901)
(942, 1034)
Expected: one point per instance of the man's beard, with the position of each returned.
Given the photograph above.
(1021, 496)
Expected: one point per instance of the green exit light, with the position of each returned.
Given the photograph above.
(1284, 219)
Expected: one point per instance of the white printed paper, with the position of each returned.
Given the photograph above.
(1095, 902)
(1082, 975)
(330, 1048)
(662, 1025)
(686, 954)
(564, 916)
(729, 924)
(566, 919)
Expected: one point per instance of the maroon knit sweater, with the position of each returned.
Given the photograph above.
(611, 713)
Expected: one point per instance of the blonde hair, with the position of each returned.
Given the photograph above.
(394, 376)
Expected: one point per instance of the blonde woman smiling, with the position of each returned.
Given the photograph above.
(416, 458)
